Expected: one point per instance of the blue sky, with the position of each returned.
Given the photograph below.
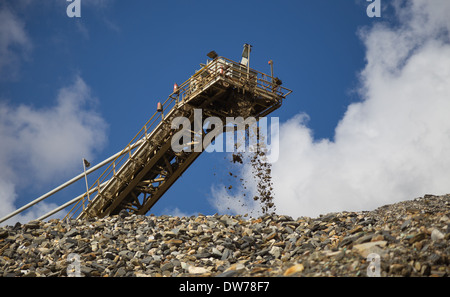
(124, 56)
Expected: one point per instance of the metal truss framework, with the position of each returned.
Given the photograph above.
(136, 180)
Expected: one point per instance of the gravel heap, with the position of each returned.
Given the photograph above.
(411, 239)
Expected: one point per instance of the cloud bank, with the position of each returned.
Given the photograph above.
(15, 44)
(39, 145)
(394, 144)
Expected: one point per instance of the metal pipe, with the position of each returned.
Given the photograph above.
(59, 188)
(67, 204)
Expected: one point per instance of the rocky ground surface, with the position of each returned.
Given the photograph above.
(409, 238)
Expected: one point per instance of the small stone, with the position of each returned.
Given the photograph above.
(417, 266)
(216, 252)
(435, 259)
(226, 254)
(86, 270)
(436, 235)
(109, 255)
(444, 218)
(3, 233)
(417, 245)
(72, 233)
(228, 273)
(356, 230)
(32, 225)
(405, 225)
(337, 255)
(30, 274)
(44, 251)
(197, 270)
(364, 249)
(418, 237)
(237, 266)
(271, 236)
(396, 268)
(363, 239)
(275, 251)
(378, 237)
(170, 234)
(176, 242)
(167, 267)
(120, 272)
(294, 269)
(123, 214)
(425, 270)
(350, 239)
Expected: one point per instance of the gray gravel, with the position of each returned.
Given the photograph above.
(409, 238)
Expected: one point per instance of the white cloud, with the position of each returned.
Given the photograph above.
(394, 144)
(40, 145)
(15, 43)
(176, 212)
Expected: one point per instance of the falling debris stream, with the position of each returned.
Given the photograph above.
(261, 170)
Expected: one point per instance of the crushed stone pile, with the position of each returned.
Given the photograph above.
(409, 238)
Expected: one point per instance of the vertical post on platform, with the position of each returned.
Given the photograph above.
(86, 164)
(177, 92)
(248, 63)
(246, 58)
(271, 69)
(159, 108)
